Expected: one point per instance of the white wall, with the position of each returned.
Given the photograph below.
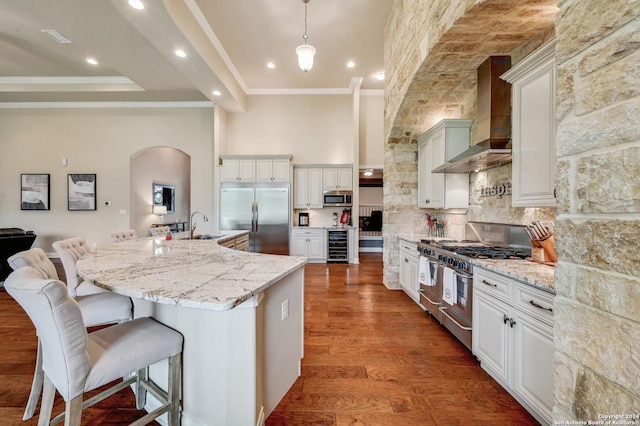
(371, 130)
(371, 196)
(313, 128)
(101, 141)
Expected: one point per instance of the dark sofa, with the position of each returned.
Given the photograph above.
(12, 241)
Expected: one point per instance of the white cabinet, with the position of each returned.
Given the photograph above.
(310, 243)
(307, 188)
(240, 168)
(337, 178)
(513, 338)
(442, 142)
(533, 94)
(409, 259)
(273, 170)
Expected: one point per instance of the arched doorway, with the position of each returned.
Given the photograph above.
(163, 165)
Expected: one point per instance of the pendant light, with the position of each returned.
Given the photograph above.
(305, 51)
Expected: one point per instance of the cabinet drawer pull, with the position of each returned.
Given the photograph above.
(489, 284)
(532, 303)
(406, 260)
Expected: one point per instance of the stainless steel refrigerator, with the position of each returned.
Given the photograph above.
(263, 209)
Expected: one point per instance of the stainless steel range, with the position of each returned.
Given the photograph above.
(446, 272)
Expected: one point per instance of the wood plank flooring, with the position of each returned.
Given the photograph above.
(372, 357)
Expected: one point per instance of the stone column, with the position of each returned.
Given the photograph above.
(597, 308)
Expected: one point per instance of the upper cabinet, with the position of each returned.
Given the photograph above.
(442, 142)
(307, 188)
(273, 169)
(338, 178)
(239, 168)
(533, 94)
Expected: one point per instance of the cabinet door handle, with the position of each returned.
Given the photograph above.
(505, 318)
(512, 322)
(489, 284)
(406, 260)
(532, 303)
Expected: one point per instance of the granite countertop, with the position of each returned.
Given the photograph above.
(535, 274)
(191, 273)
(325, 227)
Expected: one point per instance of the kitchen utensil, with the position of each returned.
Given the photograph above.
(542, 231)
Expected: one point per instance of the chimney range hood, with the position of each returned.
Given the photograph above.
(492, 142)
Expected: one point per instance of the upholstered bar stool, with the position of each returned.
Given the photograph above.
(75, 362)
(70, 250)
(117, 236)
(97, 309)
(159, 231)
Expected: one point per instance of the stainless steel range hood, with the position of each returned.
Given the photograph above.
(482, 156)
(493, 127)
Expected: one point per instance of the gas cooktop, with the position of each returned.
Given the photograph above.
(490, 252)
(478, 250)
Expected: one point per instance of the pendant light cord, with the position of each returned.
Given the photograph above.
(305, 36)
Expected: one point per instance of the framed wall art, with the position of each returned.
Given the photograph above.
(34, 191)
(81, 193)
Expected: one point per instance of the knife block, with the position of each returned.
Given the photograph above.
(544, 250)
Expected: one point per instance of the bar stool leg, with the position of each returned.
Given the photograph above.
(36, 386)
(173, 389)
(46, 407)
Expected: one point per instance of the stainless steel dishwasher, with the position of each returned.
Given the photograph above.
(338, 245)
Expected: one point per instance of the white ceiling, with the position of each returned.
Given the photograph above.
(228, 43)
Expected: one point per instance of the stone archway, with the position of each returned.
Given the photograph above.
(431, 56)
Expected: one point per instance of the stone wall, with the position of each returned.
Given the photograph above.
(432, 51)
(597, 320)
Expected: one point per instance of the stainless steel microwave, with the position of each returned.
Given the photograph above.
(337, 198)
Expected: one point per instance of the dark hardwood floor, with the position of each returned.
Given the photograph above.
(372, 357)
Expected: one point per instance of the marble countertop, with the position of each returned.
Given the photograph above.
(191, 273)
(535, 274)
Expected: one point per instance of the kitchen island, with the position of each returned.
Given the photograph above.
(241, 315)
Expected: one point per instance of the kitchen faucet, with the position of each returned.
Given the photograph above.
(192, 226)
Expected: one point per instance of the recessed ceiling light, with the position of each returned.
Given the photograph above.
(92, 61)
(271, 65)
(351, 64)
(217, 93)
(180, 53)
(380, 76)
(136, 4)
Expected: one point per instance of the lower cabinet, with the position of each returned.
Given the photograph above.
(240, 243)
(409, 258)
(310, 243)
(513, 339)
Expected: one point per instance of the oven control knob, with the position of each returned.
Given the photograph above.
(463, 265)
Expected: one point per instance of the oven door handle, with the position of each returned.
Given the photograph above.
(462, 326)
(466, 276)
(423, 294)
